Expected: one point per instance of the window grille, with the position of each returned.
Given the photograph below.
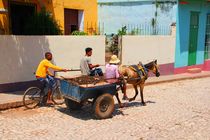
(207, 39)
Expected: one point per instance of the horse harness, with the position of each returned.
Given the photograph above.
(140, 70)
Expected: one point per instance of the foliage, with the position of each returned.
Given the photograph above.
(114, 45)
(135, 31)
(42, 23)
(154, 20)
(164, 6)
(78, 33)
(122, 31)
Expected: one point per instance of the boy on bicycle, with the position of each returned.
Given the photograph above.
(43, 74)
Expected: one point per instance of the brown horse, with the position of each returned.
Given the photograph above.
(137, 77)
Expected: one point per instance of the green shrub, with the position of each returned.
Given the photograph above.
(122, 31)
(114, 45)
(42, 23)
(78, 33)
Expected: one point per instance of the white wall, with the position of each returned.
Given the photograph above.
(148, 48)
(81, 20)
(20, 55)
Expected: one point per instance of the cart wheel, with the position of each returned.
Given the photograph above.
(104, 106)
(72, 105)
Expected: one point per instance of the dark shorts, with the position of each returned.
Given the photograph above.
(49, 82)
(96, 71)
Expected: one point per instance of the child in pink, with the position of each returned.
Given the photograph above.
(112, 74)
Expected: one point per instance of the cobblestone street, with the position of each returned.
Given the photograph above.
(177, 110)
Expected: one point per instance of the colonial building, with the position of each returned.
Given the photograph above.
(193, 35)
(70, 14)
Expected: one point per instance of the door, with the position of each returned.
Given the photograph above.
(193, 40)
(207, 39)
(70, 20)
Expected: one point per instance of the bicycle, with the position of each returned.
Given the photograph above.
(35, 96)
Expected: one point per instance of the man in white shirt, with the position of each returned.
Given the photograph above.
(87, 68)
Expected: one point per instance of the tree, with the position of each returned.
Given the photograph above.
(42, 23)
(122, 31)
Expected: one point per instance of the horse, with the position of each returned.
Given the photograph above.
(137, 77)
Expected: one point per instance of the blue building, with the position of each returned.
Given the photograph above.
(193, 35)
(136, 14)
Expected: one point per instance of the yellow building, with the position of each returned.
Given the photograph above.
(70, 14)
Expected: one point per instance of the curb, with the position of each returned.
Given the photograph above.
(171, 80)
(177, 79)
(10, 105)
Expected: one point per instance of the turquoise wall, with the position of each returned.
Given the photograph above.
(113, 14)
(183, 30)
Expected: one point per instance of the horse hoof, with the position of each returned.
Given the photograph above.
(125, 98)
(144, 104)
(121, 106)
(131, 99)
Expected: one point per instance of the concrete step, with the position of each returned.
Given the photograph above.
(194, 70)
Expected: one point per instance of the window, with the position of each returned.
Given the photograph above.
(207, 39)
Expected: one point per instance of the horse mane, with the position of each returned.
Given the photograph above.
(122, 69)
(149, 65)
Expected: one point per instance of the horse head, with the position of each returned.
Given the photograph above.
(153, 66)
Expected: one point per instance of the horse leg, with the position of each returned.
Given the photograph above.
(123, 89)
(119, 102)
(141, 93)
(136, 93)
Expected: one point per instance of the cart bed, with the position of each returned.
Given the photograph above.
(79, 93)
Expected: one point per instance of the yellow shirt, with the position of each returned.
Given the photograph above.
(42, 69)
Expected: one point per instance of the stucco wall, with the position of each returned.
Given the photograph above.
(56, 7)
(4, 28)
(88, 6)
(148, 48)
(183, 31)
(20, 55)
(114, 14)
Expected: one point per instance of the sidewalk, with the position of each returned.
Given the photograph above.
(14, 99)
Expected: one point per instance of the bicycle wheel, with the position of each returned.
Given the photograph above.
(57, 96)
(32, 97)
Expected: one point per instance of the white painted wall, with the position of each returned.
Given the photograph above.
(20, 55)
(81, 20)
(148, 48)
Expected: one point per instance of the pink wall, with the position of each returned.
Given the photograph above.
(203, 67)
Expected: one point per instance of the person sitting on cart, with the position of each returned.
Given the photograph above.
(112, 75)
(43, 74)
(87, 68)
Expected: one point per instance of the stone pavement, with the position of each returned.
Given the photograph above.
(14, 99)
(174, 111)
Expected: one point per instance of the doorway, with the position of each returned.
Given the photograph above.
(19, 14)
(70, 20)
(193, 38)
